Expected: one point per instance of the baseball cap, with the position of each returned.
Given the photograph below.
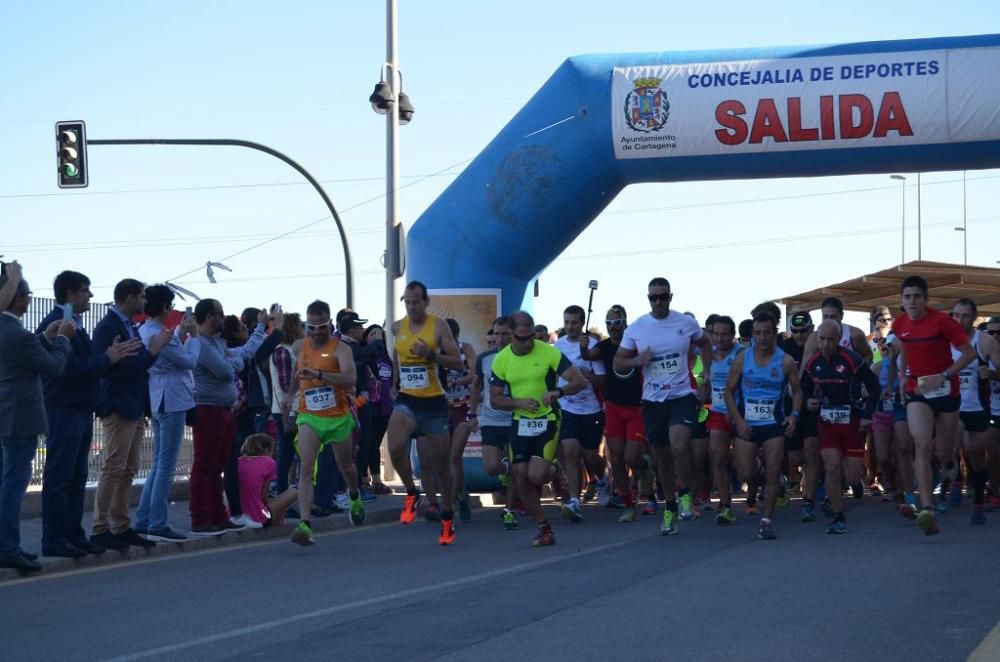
(801, 321)
(349, 320)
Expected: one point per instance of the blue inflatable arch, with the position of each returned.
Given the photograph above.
(602, 122)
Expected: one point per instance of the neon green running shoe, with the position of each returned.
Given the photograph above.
(303, 535)
(725, 516)
(685, 503)
(669, 525)
(510, 520)
(356, 513)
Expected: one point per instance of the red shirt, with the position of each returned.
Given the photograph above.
(927, 345)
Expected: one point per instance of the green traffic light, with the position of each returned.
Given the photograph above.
(70, 170)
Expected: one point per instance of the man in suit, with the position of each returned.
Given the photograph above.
(24, 358)
(70, 402)
(122, 405)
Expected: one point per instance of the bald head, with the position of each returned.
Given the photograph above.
(828, 335)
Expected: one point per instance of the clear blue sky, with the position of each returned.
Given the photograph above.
(296, 76)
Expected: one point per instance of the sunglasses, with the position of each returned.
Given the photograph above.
(523, 338)
(806, 330)
(615, 322)
(317, 327)
(653, 298)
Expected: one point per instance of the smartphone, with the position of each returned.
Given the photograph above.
(67, 309)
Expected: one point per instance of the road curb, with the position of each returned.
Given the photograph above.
(53, 566)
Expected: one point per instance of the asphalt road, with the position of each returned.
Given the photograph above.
(604, 591)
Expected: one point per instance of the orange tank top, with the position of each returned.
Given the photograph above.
(316, 397)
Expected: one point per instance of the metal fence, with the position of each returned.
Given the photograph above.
(96, 463)
(37, 310)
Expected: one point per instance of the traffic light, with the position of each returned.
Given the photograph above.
(71, 150)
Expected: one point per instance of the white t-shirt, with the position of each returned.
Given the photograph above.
(584, 402)
(667, 376)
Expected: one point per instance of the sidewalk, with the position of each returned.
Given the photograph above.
(385, 508)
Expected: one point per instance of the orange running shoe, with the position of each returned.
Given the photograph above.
(410, 509)
(447, 536)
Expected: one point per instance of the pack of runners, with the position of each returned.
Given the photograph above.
(688, 416)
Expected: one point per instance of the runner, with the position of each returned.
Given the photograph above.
(993, 329)
(931, 387)
(423, 342)
(802, 447)
(851, 337)
(582, 419)
(719, 420)
(624, 430)
(494, 425)
(881, 323)
(833, 379)
(458, 391)
(761, 376)
(326, 376)
(974, 411)
(524, 380)
(659, 343)
(699, 436)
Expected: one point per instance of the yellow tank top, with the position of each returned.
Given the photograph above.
(316, 397)
(418, 377)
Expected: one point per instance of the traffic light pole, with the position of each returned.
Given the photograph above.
(226, 142)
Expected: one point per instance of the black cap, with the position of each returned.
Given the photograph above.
(801, 321)
(349, 320)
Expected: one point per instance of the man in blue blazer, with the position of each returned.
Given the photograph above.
(122, 405)
(70, 402)
(24, 359)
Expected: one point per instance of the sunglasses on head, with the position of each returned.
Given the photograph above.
(653, 298)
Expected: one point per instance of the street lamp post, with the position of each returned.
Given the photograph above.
(902, 257)
(965, 227)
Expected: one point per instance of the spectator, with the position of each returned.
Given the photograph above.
(252, 417)
(24, 358)
(541, 333)
(215, 425)
(171, 397)
(382, 409)
(70, 403)
(122, 403)
(257, 470)
(282, 369)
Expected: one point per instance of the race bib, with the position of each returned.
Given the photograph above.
(966, 381)
(532, 427)
(836, 415)
(995, 402)
(385, 371)
(665, 366)
(320, 398)
(718, 397)
(759, 411)
(413, 378)
(888, 405)
(939, 392)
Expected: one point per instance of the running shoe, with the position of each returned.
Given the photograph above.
(433, 513)
(955, 494)
(927, 522)
(838, 527)
(725, 516)
(447, 536)
(766, 530)
(571, 511)
(706, 504)
(627, 516)
(603, 493)
(367, 496)
(978, 518)
(615, 502)
(544, 538)
(464, 511)
(940, 506)
(303, 535)
(590, 492)
(342, 501)
(783, 500)
(875, 489)
(751, 508)
(669, 525)
(410, 509)
(907, 510)
(685, 503)
(827, 508)
(651, 506)
(808, 512)
(510, 520)
(356, 513)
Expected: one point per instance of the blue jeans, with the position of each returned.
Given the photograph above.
(18, 452)
(64, 480)
(286, 451)
(168, 432)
